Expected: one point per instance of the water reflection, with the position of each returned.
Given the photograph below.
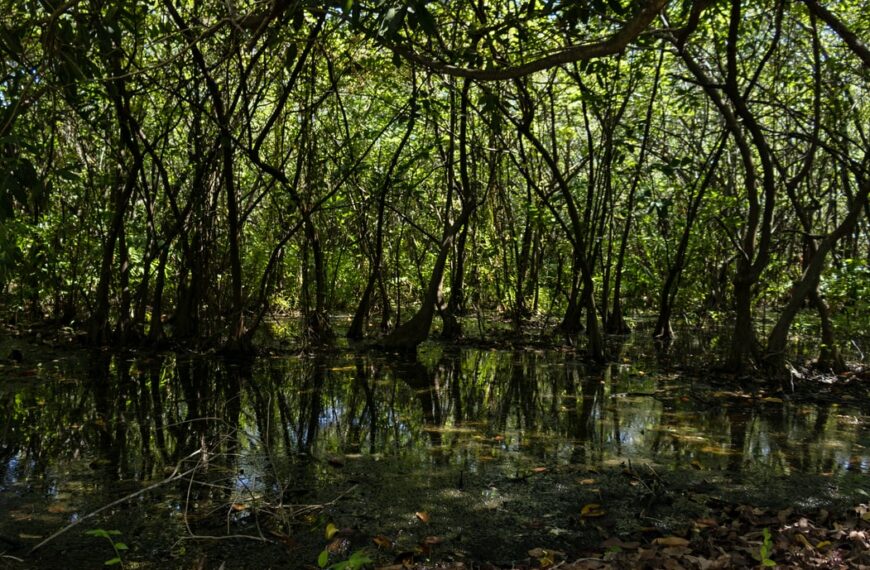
(277, 424)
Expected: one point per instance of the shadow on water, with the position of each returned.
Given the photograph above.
(500, 450)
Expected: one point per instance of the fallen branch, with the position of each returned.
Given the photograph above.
(174, 477)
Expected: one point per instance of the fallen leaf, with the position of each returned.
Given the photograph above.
(671, 541)
(423, 516)
(339, 545)
(331, 530)
(539, 470)
(239, 507)
(382, 541)
(586, 481)
(803, 540)
(590, 510)
(287, 540)
(697, 465)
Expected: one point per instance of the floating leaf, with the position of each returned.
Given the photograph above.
(591, 510)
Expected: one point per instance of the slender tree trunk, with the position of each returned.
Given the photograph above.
(452, 328)
(360, 317)
(616, 322)
(808, 287)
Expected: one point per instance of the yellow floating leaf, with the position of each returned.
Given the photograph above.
(671, 541)
(592, 510)
(331, 529)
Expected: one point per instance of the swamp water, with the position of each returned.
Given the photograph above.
(462, 453)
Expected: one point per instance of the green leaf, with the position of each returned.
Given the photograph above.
(121, 546)
(98, 532)
(113, 561)
(323, 559)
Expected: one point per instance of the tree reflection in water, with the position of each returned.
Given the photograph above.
(277, 432)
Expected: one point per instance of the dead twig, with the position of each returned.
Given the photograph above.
(173, 477)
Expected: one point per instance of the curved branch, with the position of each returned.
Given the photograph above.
(847, 35)
(582, 52)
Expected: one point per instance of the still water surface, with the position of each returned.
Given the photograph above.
(514, 441)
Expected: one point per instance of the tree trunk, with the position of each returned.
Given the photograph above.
(409, 335)
(808, 287)
(743, 342)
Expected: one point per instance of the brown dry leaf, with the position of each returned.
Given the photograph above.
(697, 464)
(281, 537)
(239, 507)
(671, 541)
(590, 510)
(423, 516)
(586, 481)
(706, 523)
(382, 541)
(433, 540)
(338, 546)
(540, 470)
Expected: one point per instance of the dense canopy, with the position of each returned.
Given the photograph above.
(184, 170)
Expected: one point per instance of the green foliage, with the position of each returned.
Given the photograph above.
(117, 545)
(766, 550)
